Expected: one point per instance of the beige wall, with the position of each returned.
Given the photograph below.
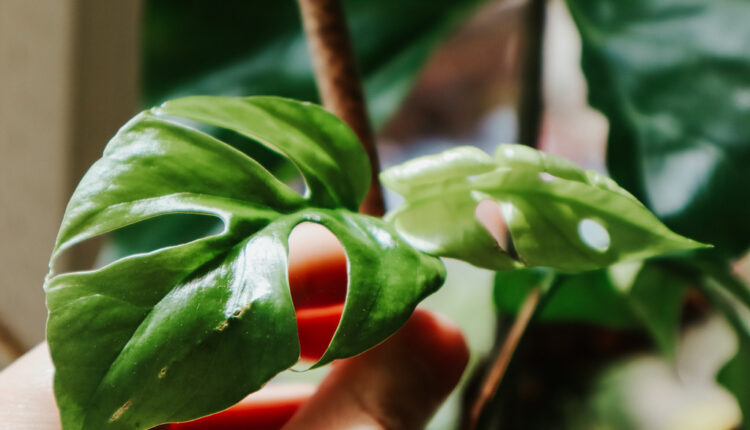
(68, 72)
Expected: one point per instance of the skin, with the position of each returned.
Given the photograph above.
(396, 385)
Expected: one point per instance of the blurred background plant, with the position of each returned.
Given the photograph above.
(654, 92)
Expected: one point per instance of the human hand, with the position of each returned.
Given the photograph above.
(397, 385)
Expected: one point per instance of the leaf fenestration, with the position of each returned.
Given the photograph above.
(558, 215)
(187, 330)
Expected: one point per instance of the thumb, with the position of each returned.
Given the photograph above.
(397, 385)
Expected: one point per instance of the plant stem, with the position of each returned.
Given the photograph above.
(338, 81)
(10, 346)
(531, 108)
(532, 105)
(495, 374)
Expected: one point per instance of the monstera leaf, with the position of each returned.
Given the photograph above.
(190, 329)
(558, 215)
(672, 78)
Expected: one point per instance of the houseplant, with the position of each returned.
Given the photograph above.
(710, 273)
(216, 315)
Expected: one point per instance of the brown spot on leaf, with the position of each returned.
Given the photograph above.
(118, 413)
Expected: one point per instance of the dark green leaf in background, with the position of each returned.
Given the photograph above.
(735, 375)
(187, 330)
(731, 297)
(673, 79)
(640, 294)
(242, 48)
(654, 295)
(583, 298)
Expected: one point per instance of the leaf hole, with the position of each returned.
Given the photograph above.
(162, 372)
(547, 177)
(490, 216)
(275, 162)
(593, 234)
(318, 284)
(142, 237)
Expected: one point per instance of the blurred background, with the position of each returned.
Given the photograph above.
(655, 93)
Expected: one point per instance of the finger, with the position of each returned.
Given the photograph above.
(26, 401)
(397, 385)
(267, 409)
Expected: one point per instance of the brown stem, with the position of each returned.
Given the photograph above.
(532, 104)
(530, 109)
(10, 346)
(495, 375)
(338, 81)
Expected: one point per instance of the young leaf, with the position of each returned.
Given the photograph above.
(438, 216)
(206, 49)
(190, 329)
(558, 215)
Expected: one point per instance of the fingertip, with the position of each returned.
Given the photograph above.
(441, 343)
(26, 395)
(397, 385)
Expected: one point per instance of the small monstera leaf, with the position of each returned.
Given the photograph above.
(190, 329)
(558, 215)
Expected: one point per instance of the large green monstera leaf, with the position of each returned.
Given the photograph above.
(187, 330)
(558, 215)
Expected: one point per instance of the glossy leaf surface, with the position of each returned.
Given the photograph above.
(558, 215)
(187, 330)
(672, 79)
